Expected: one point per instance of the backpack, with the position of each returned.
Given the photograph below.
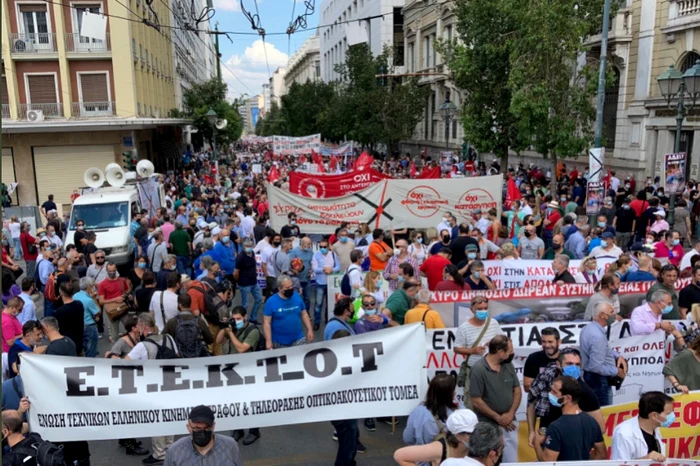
(50, 288)
(164, 351)
(44, 452)
(261, 341)
(188, 337)
(215, 306)
(345, 285)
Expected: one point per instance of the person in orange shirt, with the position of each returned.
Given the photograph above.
(379, 252)
(423, 312)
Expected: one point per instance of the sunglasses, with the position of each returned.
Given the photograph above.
(99, 257)
(370, 303)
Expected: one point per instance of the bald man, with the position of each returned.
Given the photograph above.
(557, 248)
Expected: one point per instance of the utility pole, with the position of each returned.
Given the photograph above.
(218, 54)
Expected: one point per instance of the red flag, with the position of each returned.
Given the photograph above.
(513, 193)
(274, 175)
(333, 163)
(429, 173)
(413, 169)
(318, 160)
(302, 159)
(363, 162)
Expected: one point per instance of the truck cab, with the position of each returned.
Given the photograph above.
(108, 212)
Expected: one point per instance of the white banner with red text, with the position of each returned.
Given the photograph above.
(375, 374)
(507, 274)
(288, 145)
(668, 462)
(390, 204)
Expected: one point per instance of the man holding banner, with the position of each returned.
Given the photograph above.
(638, 438)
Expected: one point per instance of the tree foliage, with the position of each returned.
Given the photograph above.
(199, 98)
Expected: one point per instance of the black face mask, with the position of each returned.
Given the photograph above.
(99, 261)
(508, 359)
(445, 239)
(276, 244)
(201, 438)
(288, 293)
(556, 246)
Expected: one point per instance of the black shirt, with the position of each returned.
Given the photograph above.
(647, 220)
(688, 296)
(289, 231)
(475, 286)
(71, 323)
(49, 206)
(565, 277)
(134, 279)
(13, 355)
(625, 217)
(588, 403)
(573, 436)
(458, 244)
(259, 232)
(248, 273)
(77, 237)
(652, 444)
(143, 299)
(90, 248)
(62, 347)
(535, 363)
(17, 456)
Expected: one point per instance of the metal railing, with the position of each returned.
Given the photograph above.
(5, 111)
(33, 43)
(49, 110)
(93, 109)
(77, 43)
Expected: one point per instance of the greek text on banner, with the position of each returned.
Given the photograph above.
(376, 374)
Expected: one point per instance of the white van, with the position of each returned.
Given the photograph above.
(108, 212)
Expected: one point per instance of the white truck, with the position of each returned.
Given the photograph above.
(108, 212)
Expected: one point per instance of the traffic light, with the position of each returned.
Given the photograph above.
(129, 161)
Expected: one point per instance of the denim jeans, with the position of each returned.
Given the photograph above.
(18, 248)
(348, 435)
(48, 308)
(306, 294)
(90, 341)
(31, 269)
(183, 265)
(601, 388)
(321, 291)
(257, 300)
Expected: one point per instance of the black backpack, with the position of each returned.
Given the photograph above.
(44, 452)
(345, 286)
(261, 340)
(188, 337)
(215, 306)
(164, 351)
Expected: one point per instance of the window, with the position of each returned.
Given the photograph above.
(42, 93)
(108, 215)
(93, 87)
(133, 46)
(448, 33)
(34, 24)
(689, 61)
(426, 52)
(3, 91)
(454, 128)
(141, 51)
(433, 52)
(411, 57)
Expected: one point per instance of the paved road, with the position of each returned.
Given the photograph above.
(300, 444)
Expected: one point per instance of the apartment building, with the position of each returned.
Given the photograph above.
(305, 64)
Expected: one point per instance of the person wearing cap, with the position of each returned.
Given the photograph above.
(660, 224)
(607, 210)
(670, 248)
(550, 220)
(304, 253)
(203, 446)
(459, 244)
(607, 249)
(624, 223)
(455, 443)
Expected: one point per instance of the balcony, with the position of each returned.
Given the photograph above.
(49, 110)
(619, 30)
(682, 15)
(93, 109)
(75, 43)
(5, 111)
(32, 44)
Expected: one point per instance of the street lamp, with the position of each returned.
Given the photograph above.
(673, 83)
(212, 117)
(447, 112)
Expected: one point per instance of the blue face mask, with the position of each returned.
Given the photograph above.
(472, 256)
(667, 309)
(379, 283)
(601, 224)
(401, 278)
(554, 401)
(482, 315)
(670, 419)
(225, 239)
(676, 242)
(343, 239)
(572, 371)
(477, 274)
(240, 324)
(142, 265)
(248, 249)
(324, 251)
(370, 312)
(420, 240)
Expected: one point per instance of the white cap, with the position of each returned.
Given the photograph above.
(216, 231)
(660, 213)
(461, 421)
(212, 225)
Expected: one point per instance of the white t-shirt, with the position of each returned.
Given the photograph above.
(266, 257)
(140, 351)
(461, 462)
(467, 335)
(685, 262)
(15, 230)
(169, 307)
(262, 246)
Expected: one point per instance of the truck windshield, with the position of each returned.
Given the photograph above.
(96, 216)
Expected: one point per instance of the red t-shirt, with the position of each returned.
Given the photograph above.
(639, 206)
(433, 268)
(449, 285)
(675, 254)
(11, 328)
(262, 208)
(553, 217)
(110, 289)
(26, 239)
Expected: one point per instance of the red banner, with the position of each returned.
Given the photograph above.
(322, 186)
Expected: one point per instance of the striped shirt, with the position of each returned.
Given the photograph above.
(468, 333)
(224, 452)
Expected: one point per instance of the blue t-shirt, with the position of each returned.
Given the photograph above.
(333, 326)
(286, 318)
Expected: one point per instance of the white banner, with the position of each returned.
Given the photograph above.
(149, 195)
(668, 462)
(509, 274)
(288, 145)
(374, 374)
(391, 204)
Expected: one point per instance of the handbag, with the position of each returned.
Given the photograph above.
(463, 376)
(116, 311)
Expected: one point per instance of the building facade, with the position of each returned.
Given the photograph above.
(423, 29)
(250, 112)
(277, 86)
(305, 64)
(266, 97)
(345, 31)
(70, 102)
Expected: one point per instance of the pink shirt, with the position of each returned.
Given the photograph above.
(166, 229)
(675, 254)
(11, 328)
(643, 320)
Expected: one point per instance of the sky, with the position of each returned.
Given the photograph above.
(246, 67)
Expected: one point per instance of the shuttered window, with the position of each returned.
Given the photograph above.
(31, 8)
(94, 87)
(42, 89)
(3, 90)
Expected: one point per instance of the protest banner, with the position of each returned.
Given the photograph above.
(674, 174)
(149, 195)
(340, 151)
(594, 197)
(328, 186)
(375, 374)
(288, 145)
(668, 462)
(390, 204)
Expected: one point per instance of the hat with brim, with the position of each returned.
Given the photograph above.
(553, 205)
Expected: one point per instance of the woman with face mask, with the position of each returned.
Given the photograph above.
(452, 280)
(588, 271)
(606, 290)
(372, 285)
(136, 274)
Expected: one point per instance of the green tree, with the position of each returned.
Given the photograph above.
(212, 94)
(480, 66)
(272, 123)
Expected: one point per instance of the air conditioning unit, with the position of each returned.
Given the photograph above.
(35, 116)
(21, 45)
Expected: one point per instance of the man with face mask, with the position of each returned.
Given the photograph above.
(494, 387)
(113, 290)
(575, 433)
(246, 274)
(485, 447)
(638, 438)
(203, 446)
(304, 253)
(646, 319)
(284, 314)
(98, 271)
(600, 362)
